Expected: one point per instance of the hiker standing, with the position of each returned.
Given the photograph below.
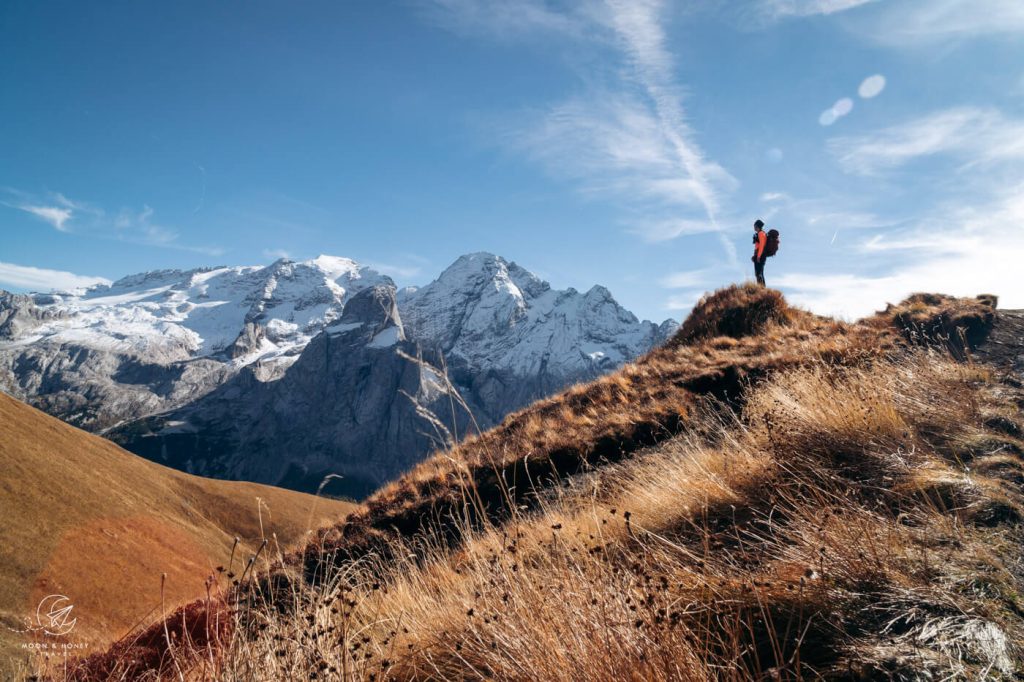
(759, 257)
(766, 245)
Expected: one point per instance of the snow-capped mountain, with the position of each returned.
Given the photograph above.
(495, 314)
(509, 338)
(284, 373)
(180, 315)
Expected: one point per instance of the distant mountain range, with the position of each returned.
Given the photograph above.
(284, 373)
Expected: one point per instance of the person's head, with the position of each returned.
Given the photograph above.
(758, 224)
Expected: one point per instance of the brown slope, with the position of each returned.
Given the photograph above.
(84, 518)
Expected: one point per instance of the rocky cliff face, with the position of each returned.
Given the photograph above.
(287, 373)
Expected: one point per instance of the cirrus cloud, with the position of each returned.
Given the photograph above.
(41, 279)
(978, 135)
(57, 216)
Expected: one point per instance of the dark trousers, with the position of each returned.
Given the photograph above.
(759, 270)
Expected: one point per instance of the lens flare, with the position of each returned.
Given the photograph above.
(872, 86)
(841, 108)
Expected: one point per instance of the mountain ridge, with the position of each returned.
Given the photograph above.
(147, 359)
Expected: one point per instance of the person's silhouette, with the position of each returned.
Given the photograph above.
(759, 257)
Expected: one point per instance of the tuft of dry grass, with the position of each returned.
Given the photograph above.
(191, 638)
(958, 323)
(735, 312)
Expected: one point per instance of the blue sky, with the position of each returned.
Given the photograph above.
(629, 143)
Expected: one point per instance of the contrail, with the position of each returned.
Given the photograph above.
(636, 23)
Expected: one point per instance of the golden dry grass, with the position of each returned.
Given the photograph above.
(836, 528)
(735, 312)
(794, 499)
(84, 518)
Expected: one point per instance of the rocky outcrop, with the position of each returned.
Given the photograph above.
(19, 315)
(248, 341)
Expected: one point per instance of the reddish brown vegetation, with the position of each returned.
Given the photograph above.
(194, 631)
(84, 518)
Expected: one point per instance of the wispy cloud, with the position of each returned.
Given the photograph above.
(638, 25)
(275, 253)
(780, 9)
(57, 216)
(614, 144)
(85, 219)
(692, 283)
(968, 251)
(503, 19)
(686, 279)
(41, 279)
(652, 230)
(139, 227)
(833, 218)
(913, 23)
(627, 140)
(684, 300)
(403, 272)
(54, 208)
(827, 214)
(903, 23)
(141, 221)
(975, 134)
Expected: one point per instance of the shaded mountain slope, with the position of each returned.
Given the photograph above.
(86, 519)
(342, 407)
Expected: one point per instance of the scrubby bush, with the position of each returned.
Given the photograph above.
(735, 311)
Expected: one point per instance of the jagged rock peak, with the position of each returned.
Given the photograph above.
(371, 315)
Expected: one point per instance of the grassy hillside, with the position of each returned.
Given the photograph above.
(772, 495)
(86, 519)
